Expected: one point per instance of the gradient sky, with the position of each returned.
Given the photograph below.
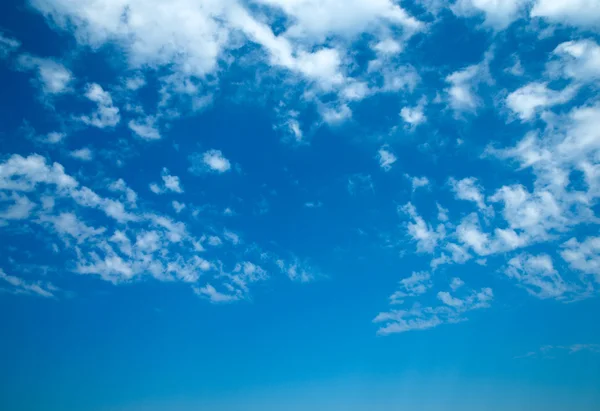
(256, 205)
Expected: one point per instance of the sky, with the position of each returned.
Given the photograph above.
(273, 205)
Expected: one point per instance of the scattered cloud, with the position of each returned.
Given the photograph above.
(386, 158)
(209, 161)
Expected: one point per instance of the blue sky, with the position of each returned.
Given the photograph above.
(299, 204)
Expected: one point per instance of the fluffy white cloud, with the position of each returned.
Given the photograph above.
(417, 182)
(145, 128)
(211, 160)
(106, 114)
(413, 116)
(20, 207)
(530, 99)
(578, 59)
(386, 158)
(468, 189)
(53, 77)
(498, 14)
(462, 92)
(423, 234)
(584, 256)
(177, 206)
(83, 154)
(582, 13)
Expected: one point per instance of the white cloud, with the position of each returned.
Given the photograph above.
(170, 182)
(106, 114)
(426, 237)
(386, 158)
(313, 204)
(7, 45)
(55, 137)
(296, 270)
(462, 93)
(334, 115)
(413, 116)
(120, 186)
(456, 283)
(468, 189)
(538, 276)
(417, 284)
(20, 286)
(582, 13)
(584, 256)
(177, 206)
(417, 182)
(208, 291)
(83, 154)
(145, 128)
(53, 77)
(20, 208)
(578, 59)
(530, 99)
(423, 318)
(211, 160)
(498, 13)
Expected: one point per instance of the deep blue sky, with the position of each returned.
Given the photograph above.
(292, 204)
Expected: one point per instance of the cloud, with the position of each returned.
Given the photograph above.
(20, 208)
(209, 161)
(528, 100)
(169, 183)
(426, 237)
(106, 114)
(417, 182)
(20, 286)
(456, 283)
(145, 128)
(461, 93)
(177, 206)
(467, 189)
(386, 158)
(581, 13)
(53, 77)
(583, 256)
(413, 116)
(423, 318)
(538, 276)
(8, 45)
(83, 154)
(498, 14)
(360, 183)
(418, 283)
(550, 351)
(577, 59)
(216, 297)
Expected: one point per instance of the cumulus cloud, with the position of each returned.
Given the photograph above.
(106, 114)
(531, 98)
(581, 13)
(209, 161)
(52, 76)
(386, 158)
(83, 154)
(413, 116)
(497, 14)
